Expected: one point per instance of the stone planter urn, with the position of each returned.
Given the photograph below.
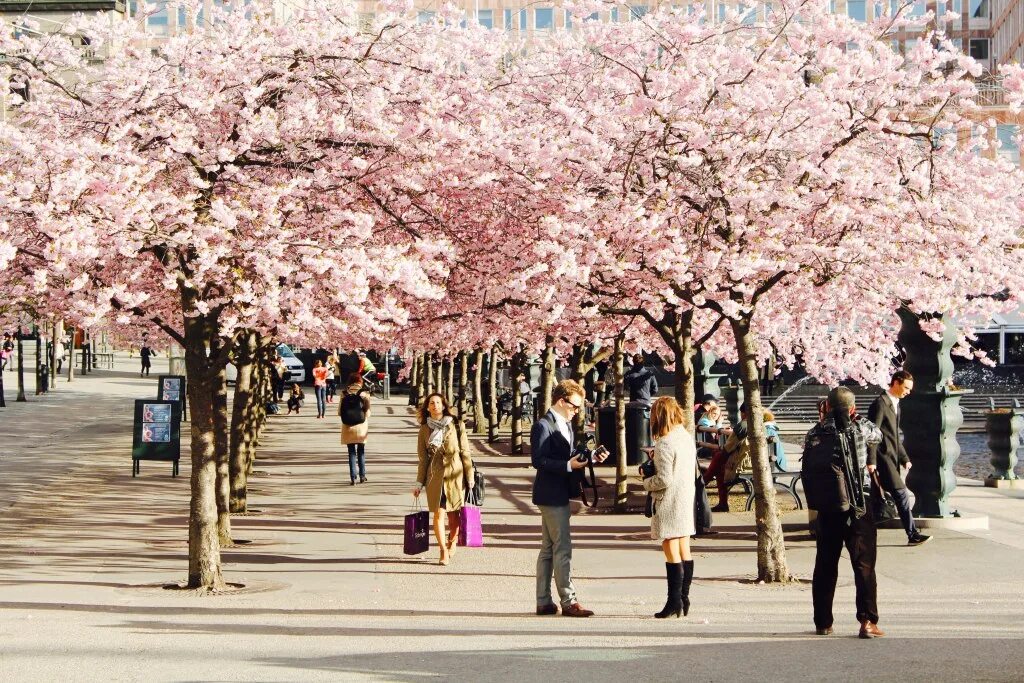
(1003, 428)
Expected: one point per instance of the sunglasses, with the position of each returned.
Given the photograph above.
(575, 406)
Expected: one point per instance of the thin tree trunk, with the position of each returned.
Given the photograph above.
(39, 357)
(71, 356)
(428, 375)
(478, 399)
(460, 394)
(683, 350)
(547, 374)
(517, 404)
(771, 548)
(492, 396)
(449, 380)
(243, 417)
(53, 355)
(222, 442)
(621, 481)
(203, 548)
(577, 374)
(21, 370)
(438, 380)
(414, 381)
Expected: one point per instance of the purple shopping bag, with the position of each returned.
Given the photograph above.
(417, 536)
(471, 532)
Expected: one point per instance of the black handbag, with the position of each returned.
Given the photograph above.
(883, 507)
(648, 470)
(702, 517)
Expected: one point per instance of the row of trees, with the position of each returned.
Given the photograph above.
(752, 188)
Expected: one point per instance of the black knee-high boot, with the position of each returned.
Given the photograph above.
(684, 586)
(674, 575)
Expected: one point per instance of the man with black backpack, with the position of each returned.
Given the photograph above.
(833, 471)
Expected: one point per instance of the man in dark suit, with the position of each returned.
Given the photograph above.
(551, 451)
(888, 457)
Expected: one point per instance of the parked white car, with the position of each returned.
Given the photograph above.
(296, 371)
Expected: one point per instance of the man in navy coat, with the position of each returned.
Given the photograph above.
(551, 445)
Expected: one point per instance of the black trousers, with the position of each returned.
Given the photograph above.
(836, 529)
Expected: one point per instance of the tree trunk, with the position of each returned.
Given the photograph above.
(53, 353)
(223, 446)
(621, 481)
(478, 399)
(492, 396)
(460, 394)
(428, 376)
(683, 350)
(449, 381)
(577, 373)
(71, 356)
(517, 404)
(21, 370)
(203, 547)
(414, 380)
(243, 418)
(547, 374)
(771, 549)
(39, 357)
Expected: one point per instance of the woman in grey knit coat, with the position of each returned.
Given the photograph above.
(673, 487)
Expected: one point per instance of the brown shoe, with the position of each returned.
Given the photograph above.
(576, 610)
(547, 610)
(869, 630)
(827, 631)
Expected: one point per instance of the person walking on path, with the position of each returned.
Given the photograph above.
(354, 411)
(890, 456)
(551, 444)
(279, 376)
(320, 388)
(295, 399)
(673, 488)
(145, 353)
(6, 351)
(834, 467)
(444, 468)
(332, 384)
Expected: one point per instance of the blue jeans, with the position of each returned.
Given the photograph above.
(356, 450)
(321, 400)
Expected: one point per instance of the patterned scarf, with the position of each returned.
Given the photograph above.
(437, 428)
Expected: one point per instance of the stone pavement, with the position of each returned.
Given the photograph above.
(85, 549)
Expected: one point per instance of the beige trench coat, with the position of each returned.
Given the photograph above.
(355, 433)
(445, 469)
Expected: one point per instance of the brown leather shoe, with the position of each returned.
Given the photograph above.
(869, 630)
(576, 610)
(827, 631)
(547, 610)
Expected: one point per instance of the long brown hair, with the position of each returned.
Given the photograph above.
(445, 410)
(666, 413)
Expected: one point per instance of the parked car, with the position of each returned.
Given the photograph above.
(296, 371)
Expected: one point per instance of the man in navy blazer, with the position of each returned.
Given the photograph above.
(551, 441)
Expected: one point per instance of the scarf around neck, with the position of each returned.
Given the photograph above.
(437, 428)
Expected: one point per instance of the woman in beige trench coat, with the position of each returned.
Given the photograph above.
(444, 467)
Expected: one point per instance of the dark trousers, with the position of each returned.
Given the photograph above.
(278, 389)
(836, 529)
(902, 500)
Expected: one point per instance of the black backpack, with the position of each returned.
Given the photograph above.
(821, 469)
(351, 410)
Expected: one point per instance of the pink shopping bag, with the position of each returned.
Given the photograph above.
(471, 533)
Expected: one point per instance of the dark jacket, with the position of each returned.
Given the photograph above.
(833, 465)
(642, 385)
(550, 452)
(889, 455)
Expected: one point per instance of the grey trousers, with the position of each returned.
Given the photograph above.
(555, 556)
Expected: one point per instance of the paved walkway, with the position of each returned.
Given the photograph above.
(84, 549)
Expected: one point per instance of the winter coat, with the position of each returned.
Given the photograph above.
(355, 433)
(673, 487)
(889, 455)
(643, 387)
(444, 469)
(738, 448)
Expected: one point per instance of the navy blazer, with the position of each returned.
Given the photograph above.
(550, 452)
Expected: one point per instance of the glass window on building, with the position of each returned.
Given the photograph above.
(544, 18)
(748, 13)
(909, 45)
(768, 10)
(832, 6)
(486, 17)
(613, 16)
(956, 6)
(979, 49)
(1014, 348)
(158, 20)
(425, 17)
(917, 9)
(1009, 149)
(721, 11)
(989, 343)
(857, 10)
(638, 11)
(979, 10)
